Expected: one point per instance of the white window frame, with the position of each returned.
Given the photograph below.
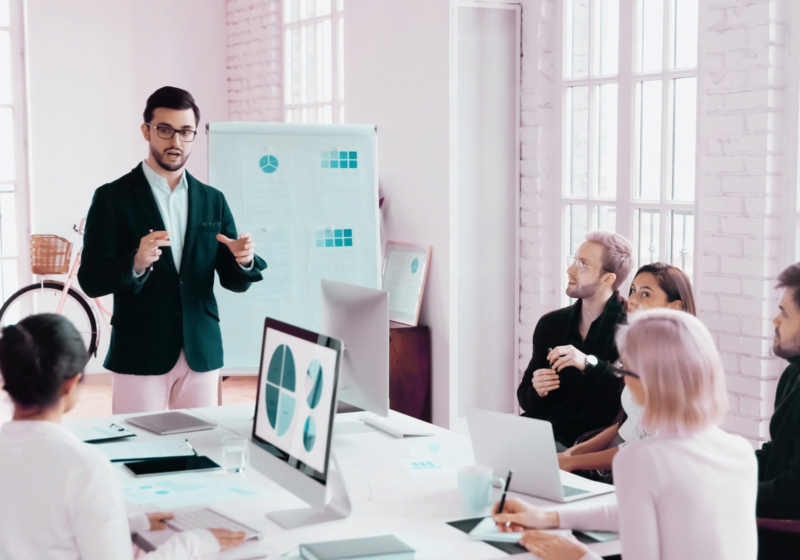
(336, 17)
(627, 79)
(19, 110)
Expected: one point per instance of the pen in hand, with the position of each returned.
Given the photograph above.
(151, 265)
(505, 489)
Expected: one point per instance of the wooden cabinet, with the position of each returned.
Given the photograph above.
(410, 370)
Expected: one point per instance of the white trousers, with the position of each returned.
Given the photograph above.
(178, 388)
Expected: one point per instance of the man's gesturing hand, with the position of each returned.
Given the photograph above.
(544, 381)
(243, 248)
(149, 250)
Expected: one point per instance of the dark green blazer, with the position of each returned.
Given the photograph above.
(779, 459)
(162, 311)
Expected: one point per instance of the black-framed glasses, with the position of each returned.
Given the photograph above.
(619, 372)
(167, 132)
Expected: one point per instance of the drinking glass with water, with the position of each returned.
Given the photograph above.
(234, 453)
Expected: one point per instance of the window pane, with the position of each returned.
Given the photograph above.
(341, 114)
(577, 38)
(327, 58)
(291, 10)
(328, 118)
(686, 15)
(684, 138)
(10, 282)
(648, 104)
(578, 139)
(605, 218)
(5, 67)
(646, 225)
(340, 58)
(340, 5)
(8, 225)
(606, 144)
(7, 164)
(4, 15)
(312, 60)
(606, 33)
(577, 227)
(651, 35)
(681, 241)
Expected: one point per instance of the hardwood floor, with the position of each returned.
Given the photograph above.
(95, 399)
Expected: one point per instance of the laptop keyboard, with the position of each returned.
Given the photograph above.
(571, 491)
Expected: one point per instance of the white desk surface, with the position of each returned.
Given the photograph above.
(415, 506)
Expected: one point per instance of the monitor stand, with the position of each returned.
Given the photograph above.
(337, 508)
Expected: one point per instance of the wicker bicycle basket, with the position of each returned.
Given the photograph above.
(50, 254)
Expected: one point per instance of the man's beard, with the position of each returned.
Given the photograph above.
(169, 166)
(786, 350)
(583, 292)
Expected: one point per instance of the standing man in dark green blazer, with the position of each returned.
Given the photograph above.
(166, 345)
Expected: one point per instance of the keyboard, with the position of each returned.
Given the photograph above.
(571, 491)
(209, 519)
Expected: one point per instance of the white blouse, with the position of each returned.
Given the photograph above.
(60, 500)
(631, 429)
(680, 497)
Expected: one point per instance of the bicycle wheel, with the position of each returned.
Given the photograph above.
(44, 298)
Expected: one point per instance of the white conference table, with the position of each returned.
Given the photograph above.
(386, 495)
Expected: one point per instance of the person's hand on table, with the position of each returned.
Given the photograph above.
(553, 547)
(243, 248)
(158, 521)
(544, 381)
(566, 462)
(228, 539)
(567, 356)
(150, 250)
(518, 516)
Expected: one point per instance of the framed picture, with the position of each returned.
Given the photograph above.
(405, 268)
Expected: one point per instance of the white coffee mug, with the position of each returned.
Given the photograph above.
(475, 488)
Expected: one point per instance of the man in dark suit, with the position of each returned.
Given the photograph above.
(166, 345)
(579, 393)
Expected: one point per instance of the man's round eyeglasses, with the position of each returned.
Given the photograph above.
(167, 132)
(581, 266)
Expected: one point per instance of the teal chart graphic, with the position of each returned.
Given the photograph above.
(414, 265)
(280, 389)
(313, 383)
(309, 434)
(268, 164)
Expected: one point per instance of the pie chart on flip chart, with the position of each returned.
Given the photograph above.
(313, 383)
(268, 164)
(280, 389)
(309, 434)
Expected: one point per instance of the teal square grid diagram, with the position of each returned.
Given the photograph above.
(332, 238)
(336, 159)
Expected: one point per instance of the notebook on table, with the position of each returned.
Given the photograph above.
(382, 547)
(167, 423)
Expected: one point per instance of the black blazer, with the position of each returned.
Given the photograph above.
(162, 311)
(779, 459)
(584, 401)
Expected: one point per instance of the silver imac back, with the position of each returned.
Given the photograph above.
(359, 317)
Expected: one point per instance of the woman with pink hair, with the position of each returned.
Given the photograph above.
(689, 491)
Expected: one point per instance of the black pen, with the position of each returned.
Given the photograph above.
(505, 489)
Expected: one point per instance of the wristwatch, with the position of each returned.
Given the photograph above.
(590, 364)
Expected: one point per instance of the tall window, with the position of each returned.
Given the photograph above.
(630, 95)
(13, 157)
(313, 55)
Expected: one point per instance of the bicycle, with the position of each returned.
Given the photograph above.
(50, 255)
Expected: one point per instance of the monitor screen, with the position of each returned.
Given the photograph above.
(296, 392)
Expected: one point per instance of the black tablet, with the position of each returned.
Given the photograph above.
(171, 465)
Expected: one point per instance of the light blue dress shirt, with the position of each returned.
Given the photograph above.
(174, 208)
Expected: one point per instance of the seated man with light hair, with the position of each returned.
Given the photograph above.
(579, 393)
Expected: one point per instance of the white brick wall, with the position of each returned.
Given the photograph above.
(740, 147)
(255, 60)
(741, 134)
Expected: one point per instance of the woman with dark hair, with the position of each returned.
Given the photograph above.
(655, 285)
(59, 497)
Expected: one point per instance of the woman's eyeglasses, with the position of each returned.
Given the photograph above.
(619, 372)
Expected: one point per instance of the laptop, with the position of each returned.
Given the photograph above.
(167, 423)
(526, 446)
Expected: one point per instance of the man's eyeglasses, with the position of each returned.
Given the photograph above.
(619, 372)
(581, 266)
(167, 132)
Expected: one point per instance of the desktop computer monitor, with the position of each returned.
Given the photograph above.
(359, 317)
(293, 424)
